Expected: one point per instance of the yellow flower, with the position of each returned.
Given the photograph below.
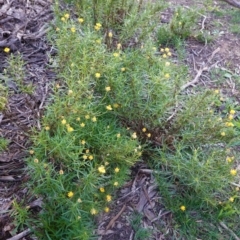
(63, 121)
(81, 20)
(108, 89)
(61, 172)
(93, 211)
(57, 29)
(83, 142)
(98, 26)
(167, 75)
(73, 29)
(108, 198)
(82, 124)
(6, 50)
(106, 209)
(110, 35)
(167, 64)
(78, 119)
(231, 199)
(183, 208)
(115, 105)
(149, 135)
(101, 189)
(84, 157)
(223, 134)
(90, 157)
(230, 117)
(102, 169)
(161, 50)
(87, 150)
(79, 200)
(229, 159)
(97, 75)
(115, 184)
(70, 92)
(169, 54)
(70, 194)
(94, 119)
(87, 116)
(116, 54)
(134, 135)
(116, 170)
(144, 129)
(123, 69)
(98, 41)
(229, 124)
(233, 172)
(70, 129)
(180, 23)
(118, 135)
(164, 56)
(47, 128)
(35, 160)
(31, 152)
(232, 111)
(119, 46)
(167, 50)
(66, 16)
(109, 107)
(216, 91)
(63, 19)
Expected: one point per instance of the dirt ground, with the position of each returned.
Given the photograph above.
(23, 27)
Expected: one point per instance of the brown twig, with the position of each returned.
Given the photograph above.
(21, 235)
(147, 196)
(204, 19)
(203, 68)
(235, 184)
(228, 229)
(110, 224)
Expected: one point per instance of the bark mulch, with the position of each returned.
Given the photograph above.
(23, 27)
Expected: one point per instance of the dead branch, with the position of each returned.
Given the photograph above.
(21, 235)
(228, 229)
(115, 218)
(203, 68)
(233, 3)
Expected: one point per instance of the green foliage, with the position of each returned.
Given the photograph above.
(15, 73)
(112, 103)
(3, 97)
(141, 233)
(20, 215)
(127, 20)
(3, 144)
(181, 26)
